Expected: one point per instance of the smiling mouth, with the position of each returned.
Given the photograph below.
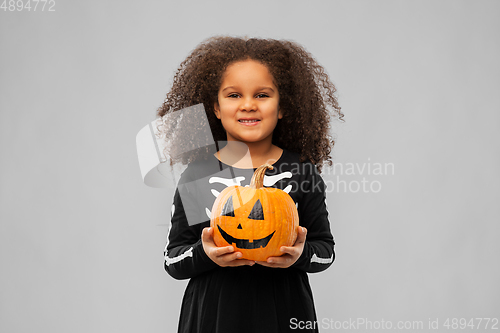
(248, 120)
(245, 243)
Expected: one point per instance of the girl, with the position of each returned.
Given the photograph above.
(266, 102)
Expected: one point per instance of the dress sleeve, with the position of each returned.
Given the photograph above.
(318, 253)
(184, 254)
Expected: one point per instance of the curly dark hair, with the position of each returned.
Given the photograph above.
(304, 88)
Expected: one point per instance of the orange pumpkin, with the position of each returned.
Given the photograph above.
(256, 220)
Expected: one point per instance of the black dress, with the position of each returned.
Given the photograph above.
(247, 298)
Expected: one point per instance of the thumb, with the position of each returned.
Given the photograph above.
(301, 237)
(207, 235)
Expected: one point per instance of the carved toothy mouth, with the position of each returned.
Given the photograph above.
(245, 243)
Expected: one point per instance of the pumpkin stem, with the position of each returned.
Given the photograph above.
(258, 176)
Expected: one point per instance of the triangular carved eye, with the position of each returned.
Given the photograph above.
(228, 209)
(257, 213)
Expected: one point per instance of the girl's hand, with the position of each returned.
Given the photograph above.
(291, 253)
(222, 256)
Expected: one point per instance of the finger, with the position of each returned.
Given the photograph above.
(233, 259)
(242, 262)
(280, 261)
(230, 257)
(263, 263)
(291, 250)
(276, 262)
(222, 251)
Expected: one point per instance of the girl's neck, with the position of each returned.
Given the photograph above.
(247, 156)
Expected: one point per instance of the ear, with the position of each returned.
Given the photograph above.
(217, 110)
(280, 113)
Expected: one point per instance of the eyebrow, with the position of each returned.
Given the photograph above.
(260, 88)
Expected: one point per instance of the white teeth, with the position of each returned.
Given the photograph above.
(248, 121)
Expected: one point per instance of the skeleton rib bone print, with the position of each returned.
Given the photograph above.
(268, 181)
(225, 181)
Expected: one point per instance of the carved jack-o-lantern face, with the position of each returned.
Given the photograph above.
(257, 221)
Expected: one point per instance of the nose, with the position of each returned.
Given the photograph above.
(248, 104)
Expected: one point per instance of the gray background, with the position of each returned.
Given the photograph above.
(81, 237)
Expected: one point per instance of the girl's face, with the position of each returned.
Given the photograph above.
(248, 103)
